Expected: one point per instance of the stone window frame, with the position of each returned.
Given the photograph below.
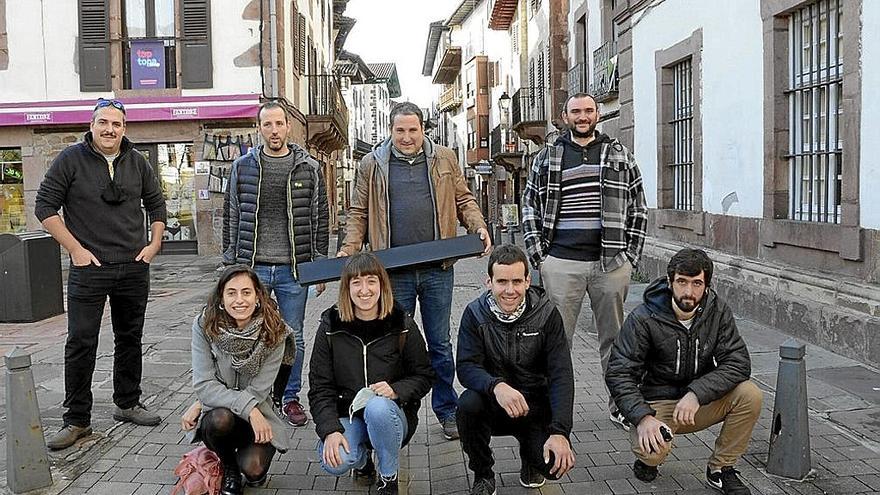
(844, 238)
(664, 63)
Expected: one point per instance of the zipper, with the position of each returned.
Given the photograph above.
(696, 356)
(290, 226)
(677, 356)
(365, 345)
(257, 208)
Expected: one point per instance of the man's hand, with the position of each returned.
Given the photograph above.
(149, 252)
(562, 453)
(320, 288)
(341, 254)
(83, 257)
(332, 442)
(650, 438)
(509, 398)
(487, 241)
(262, 428)
(191, 416)
(686, 409)
(384, 390)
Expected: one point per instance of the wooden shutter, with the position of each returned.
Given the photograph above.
(294, 38)
(94, 45)
(195, 47)
(301, 53)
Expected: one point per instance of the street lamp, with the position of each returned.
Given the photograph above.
(504, 105)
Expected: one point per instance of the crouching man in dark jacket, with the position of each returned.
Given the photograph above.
(679, 365)
(514, 360)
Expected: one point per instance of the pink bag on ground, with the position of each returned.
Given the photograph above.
(200, 473)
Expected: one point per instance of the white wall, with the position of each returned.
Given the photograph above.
(732, 103)
(231, 36)
(869, 164)
(26, 80)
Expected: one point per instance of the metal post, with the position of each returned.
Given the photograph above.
(790, 431)
(26, 458)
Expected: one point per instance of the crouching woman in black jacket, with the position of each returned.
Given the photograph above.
(369, 371)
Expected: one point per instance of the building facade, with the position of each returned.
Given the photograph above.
(191, 101)
(753, 139)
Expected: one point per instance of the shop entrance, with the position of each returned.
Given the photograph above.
(173, 164)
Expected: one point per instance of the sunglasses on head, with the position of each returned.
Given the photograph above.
(110, 103)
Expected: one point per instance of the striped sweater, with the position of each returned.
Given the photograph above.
(624, 213)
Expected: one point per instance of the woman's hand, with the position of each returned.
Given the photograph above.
(191, 416)
(384, 390)
(262, 428)
(332, 442)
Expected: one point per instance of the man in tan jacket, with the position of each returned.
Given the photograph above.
(410, 190)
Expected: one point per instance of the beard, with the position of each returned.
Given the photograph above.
(578, 134)
(686, 305)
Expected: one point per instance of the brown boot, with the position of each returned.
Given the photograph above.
(67, 436)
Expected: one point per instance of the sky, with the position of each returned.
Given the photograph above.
(397, 31)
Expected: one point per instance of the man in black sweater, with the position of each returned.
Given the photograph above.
(514, 360)
(100, 184)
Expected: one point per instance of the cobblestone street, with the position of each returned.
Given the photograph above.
(124, 459)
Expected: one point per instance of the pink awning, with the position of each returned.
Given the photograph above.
(137, 109)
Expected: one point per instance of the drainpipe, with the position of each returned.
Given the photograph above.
(273, 50)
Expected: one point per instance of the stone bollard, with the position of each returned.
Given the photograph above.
(790, 431)
(27, 464)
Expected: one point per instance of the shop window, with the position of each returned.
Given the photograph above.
(12, 214)
(176, 173)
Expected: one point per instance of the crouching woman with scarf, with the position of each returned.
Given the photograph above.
(238, 343)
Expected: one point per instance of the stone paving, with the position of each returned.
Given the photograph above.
(125, 459)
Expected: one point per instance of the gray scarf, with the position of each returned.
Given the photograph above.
(246, 346)
(501, 314)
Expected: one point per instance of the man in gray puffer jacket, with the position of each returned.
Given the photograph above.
(275, 217)
(679, 365)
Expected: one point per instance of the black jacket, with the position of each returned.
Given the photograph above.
(337, 370)
(78, 177)
(530, 354)
(307, 210)
(655, 357)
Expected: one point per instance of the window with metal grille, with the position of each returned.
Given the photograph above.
(682, 135)
(815, 110)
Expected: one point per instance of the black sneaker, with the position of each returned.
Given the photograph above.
(644, 472)
(727, 481)
(484, 486)
(530, 477)
(386, 486)
(619, 420)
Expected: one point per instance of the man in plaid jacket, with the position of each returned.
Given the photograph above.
(585, 219)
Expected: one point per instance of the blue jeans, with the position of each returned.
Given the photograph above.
(433, 287)
(383, 426)
(291, 299)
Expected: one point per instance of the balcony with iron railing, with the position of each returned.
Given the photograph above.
(605, 78)
(505, 147)
(577, 79)
(327, 120)
(528, 115)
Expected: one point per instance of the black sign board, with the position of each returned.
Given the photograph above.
(413, 255)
